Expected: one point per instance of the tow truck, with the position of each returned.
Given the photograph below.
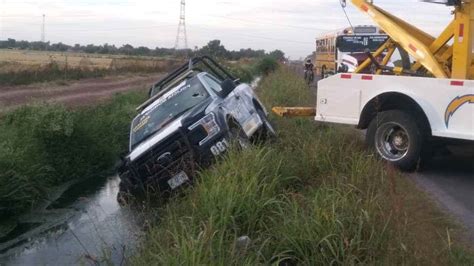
(410, 109)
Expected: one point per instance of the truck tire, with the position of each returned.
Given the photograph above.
(397, 138)
(267, 132)
(128, 188)
(238, 136)
(124, 195)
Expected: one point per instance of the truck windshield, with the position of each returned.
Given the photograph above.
(360, 43)
(167, 108)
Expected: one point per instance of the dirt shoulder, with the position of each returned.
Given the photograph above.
(74, 93)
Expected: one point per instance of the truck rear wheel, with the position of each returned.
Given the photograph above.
(397, 138)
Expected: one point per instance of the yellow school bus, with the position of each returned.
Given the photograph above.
(343, 51)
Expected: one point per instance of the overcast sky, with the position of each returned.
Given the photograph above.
(259, 24)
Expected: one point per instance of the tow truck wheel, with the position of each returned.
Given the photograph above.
(397, 138)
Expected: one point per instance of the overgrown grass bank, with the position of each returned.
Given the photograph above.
(46, 145)
(247, 71)
(314, 197)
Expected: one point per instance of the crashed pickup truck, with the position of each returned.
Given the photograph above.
(192, 116)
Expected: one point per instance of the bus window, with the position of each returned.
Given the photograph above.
(360, 43)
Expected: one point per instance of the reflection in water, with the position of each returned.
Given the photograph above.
(99, 230)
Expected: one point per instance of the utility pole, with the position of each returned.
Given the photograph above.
(1, 19)
(181, 37)
(43, 37)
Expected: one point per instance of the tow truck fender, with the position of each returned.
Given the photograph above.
(342, 98)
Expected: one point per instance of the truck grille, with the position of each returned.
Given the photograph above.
(165, 159)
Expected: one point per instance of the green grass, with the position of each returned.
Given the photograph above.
(315, 197)
(46, 145)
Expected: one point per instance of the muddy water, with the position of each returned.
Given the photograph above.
(85, 226)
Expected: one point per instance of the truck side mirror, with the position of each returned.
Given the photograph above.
(227, 86)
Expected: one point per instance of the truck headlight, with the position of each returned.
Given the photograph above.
(209, 124)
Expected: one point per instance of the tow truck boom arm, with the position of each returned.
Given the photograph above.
(436, 55)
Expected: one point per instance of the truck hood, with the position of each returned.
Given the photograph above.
(190, 116)
(154, 139)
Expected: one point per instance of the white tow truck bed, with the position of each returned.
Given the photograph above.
(448, 104)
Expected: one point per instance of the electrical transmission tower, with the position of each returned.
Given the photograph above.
(43, 37)
(181, 37)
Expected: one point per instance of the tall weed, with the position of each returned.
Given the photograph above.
(46, 145)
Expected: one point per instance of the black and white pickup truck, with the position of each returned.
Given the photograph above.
(192, 116)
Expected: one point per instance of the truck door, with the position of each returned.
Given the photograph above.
(232, 103)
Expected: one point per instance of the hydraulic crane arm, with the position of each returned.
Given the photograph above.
(441, 59)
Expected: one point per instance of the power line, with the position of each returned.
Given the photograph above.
(43, 37)
(261, 22)
(1, 19)
(257, 36)
(181, 36)
(75, 2)
(99, 30)
(50, 16)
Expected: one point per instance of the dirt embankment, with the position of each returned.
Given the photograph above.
(77, 93)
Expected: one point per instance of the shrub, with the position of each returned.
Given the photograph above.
(46, 145)
(267, 65)
(245, 73)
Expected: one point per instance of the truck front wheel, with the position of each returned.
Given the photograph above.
(397, 138)
(266, 132)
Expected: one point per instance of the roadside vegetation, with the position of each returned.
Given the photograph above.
(46, 145)
(249, 70)
(42, 146)
(316, 196)
(214, 48)
(54, 71)
(30, 62)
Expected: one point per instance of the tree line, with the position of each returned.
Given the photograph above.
(213, 48)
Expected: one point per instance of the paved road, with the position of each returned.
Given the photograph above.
(449, 180)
